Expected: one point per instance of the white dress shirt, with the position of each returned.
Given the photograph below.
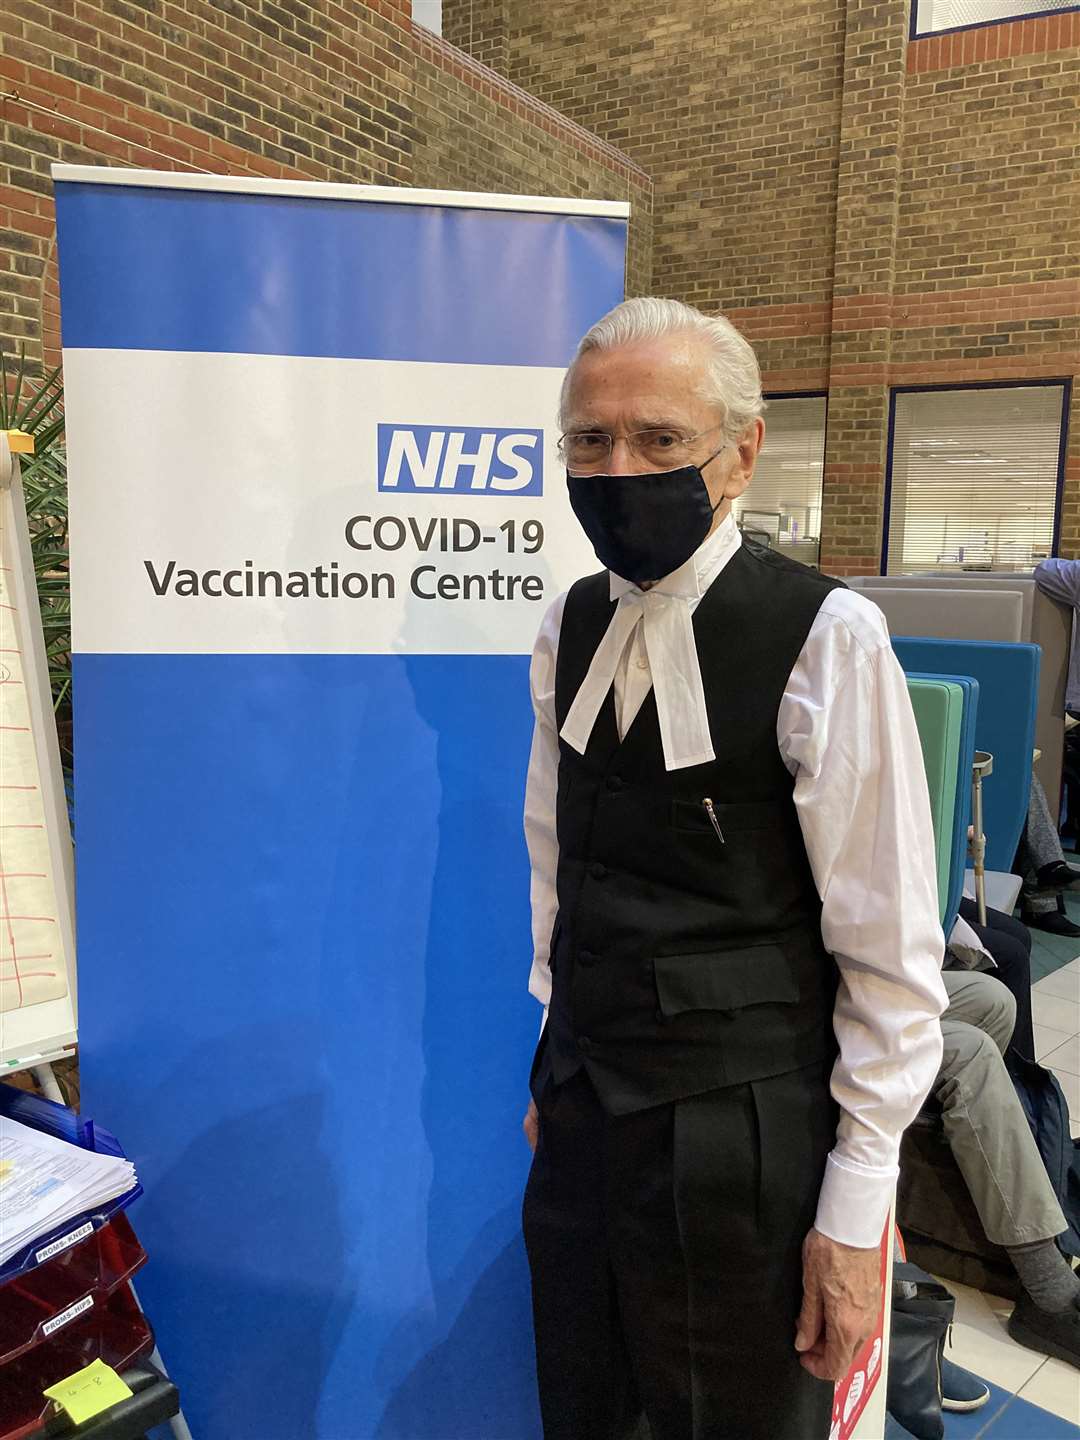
(846, 731)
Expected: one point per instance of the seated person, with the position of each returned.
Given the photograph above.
(1060, 579)
(1007, 943)
(992, 1144)
(1041, 862)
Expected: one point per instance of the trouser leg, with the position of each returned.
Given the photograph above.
(1043, 841)
(989, 1136)
(583, 1371)
(979, 999)
(710, 1202)
(665, 1249)
(1009, 942)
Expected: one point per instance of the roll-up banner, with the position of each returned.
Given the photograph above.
(317, 515)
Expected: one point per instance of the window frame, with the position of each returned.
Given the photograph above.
(1064, 382)
(769, 396)
(914, 33)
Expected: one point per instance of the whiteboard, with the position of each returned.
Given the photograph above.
(38, 1015)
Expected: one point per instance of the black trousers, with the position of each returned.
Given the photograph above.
(1009, 942)
(665, 1251)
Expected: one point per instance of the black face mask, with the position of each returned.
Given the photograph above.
(643, 527)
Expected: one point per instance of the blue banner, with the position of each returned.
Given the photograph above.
(302, 623)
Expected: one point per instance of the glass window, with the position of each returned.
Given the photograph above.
(429, 14)
(783, 501)
(973, 478)
(930, 17)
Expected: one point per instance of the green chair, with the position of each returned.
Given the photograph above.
(939, 715)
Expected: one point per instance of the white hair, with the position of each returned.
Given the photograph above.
(733, 378)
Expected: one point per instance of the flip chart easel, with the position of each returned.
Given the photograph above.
(32, 1034)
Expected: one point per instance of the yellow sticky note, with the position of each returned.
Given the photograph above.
(88, 1392)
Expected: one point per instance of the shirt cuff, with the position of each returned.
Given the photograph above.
(854, 1202)
(540, 982)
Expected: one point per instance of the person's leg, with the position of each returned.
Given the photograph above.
(977, 1000)
(1044, 868)
(991, 1140)
(583, 1372)
(710, 1263)
(1043, 842)
(993, 1146)
(996, 920)
(1009, 942)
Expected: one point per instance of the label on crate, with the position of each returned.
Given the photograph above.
(58, 1321)
(64, 1243)
(88, 1392)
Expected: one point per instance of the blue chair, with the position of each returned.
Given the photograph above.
(1008, 677)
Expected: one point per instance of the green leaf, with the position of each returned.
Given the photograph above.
(34, 402)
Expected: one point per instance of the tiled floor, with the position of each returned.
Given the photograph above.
(1055, 1007)
(1032, 1398)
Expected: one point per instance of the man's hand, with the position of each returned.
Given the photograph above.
(531, 1125)
(841, 1297)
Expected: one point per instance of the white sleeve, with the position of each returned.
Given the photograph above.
(540, 792)
(847, 730)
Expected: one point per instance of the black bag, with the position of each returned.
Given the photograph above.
(1047, 1112)
(917, 1334)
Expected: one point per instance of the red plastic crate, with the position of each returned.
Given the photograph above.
(33, 1306)
(116, 1332)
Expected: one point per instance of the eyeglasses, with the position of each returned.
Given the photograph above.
(590, 450)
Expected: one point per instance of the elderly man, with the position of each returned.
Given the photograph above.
(735, 925)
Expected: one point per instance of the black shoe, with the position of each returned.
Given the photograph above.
(1052, 921)
(1058, 875)
(1051, 1334)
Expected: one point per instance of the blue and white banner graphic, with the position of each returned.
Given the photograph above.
(316, 516)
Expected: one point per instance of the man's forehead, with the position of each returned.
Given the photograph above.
(651, 381)
(676, 354)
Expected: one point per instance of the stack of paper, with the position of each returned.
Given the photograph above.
(45, 1182)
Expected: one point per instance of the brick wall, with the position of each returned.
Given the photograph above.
(480, 28)
(330, 91)
(988, 249)
(869, 210)
(475, 132)
(736, 119)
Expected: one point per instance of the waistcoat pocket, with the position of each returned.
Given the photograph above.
(725, 979)
(693, 815)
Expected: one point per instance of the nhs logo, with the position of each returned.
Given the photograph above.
(432, 458)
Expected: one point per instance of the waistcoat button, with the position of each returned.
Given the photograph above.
(585, 1045)
(597, 871)
(614, 782)
(587, 957)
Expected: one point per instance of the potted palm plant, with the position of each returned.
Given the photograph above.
(34, 402)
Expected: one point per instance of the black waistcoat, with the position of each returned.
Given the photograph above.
(681, 962)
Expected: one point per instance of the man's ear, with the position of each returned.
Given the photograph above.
(742, 471)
